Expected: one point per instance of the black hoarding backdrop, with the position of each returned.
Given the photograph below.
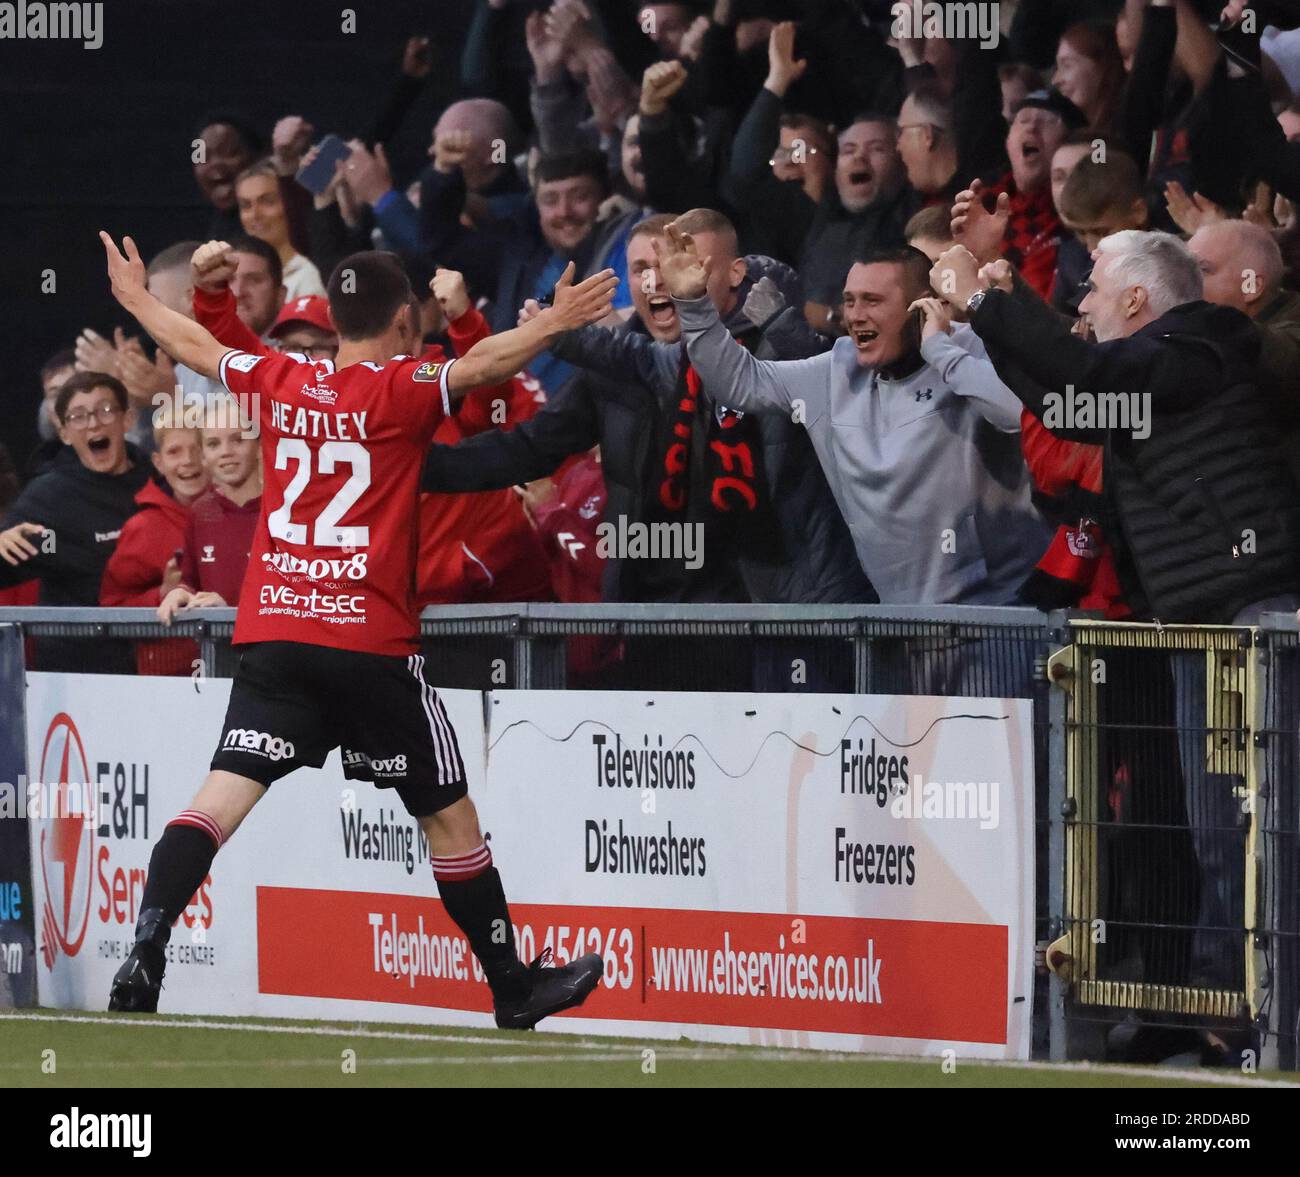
(100, 138)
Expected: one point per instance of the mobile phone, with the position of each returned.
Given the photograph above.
(317, 175)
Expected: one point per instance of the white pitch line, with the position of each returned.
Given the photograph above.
(290, 1063)
(723, 1052)
(314, 1031)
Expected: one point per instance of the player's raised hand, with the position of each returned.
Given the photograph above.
(587, 302)
(125, 270)
(684, 272)
(448, 288)
(212, 266)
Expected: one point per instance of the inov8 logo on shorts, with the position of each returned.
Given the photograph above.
(244, 739)
(80, 1129)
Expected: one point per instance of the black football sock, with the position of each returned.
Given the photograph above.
(177, 868)
(471, 891)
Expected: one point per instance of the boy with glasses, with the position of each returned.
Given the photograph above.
(65, 524)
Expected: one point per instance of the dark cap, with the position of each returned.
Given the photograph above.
(1053, 100)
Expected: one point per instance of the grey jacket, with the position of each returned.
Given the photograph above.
(927, 470)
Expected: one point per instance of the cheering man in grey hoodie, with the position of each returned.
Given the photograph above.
(917, 436)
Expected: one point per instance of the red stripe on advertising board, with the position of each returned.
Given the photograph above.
(887, 978)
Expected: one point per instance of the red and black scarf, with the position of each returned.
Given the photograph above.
(728, 469)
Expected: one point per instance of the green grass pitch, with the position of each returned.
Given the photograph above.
(120, 1050)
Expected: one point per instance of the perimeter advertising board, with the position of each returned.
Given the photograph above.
(850, 872)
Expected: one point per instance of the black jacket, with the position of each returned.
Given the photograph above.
(622, 406)
(83, 513)
(1205, 513)
(837, 238)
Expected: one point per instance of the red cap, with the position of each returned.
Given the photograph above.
(310, 309)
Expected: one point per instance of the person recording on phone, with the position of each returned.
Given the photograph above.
(917, 436)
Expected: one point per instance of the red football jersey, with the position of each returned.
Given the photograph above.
(333, 559)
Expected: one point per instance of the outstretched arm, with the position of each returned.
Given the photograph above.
(181, 338)
(493, 359)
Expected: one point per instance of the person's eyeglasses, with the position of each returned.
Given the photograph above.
(81, 419)
(314, 351)
(787, 155)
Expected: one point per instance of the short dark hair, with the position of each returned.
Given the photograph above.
(915, 265)
(266, 252)
(653, 226)
(565, 165)
(794, 121)
(238, 122)
(87, 382)
(869, 116)
(365, 291)
(709, 220)
(171, 258)
(934, 222)
(67, 358)
(1096, 187)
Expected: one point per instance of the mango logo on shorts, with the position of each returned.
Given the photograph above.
(245, 739)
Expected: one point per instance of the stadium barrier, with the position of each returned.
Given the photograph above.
(1164, 765)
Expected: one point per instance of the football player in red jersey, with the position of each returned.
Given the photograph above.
(327, 616)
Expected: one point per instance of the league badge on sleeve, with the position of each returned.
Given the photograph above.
(429, 373)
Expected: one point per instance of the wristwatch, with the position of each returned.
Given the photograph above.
(973, 303)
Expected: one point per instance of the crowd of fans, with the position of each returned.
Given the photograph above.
(1117, 177)
(915, 306)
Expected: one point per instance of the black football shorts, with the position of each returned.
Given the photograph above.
(292, 703)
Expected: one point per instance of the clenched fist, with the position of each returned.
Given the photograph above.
(448, 288)
(212, 267)
(658, 85)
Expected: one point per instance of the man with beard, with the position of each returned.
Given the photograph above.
(526, 256)
(867, 210)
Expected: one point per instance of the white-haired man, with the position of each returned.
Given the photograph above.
(1208, 514)
(1204, 516)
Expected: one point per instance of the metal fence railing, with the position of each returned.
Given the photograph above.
(1168, 842)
